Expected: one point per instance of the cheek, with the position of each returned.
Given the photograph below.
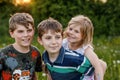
(80, 37)
(45, 42)
(32, 33)
(67, 32)
(60, 41)
(17, 36)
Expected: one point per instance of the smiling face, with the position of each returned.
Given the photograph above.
(23, 35)
(51, 41)
(73, 34)
(79, 31)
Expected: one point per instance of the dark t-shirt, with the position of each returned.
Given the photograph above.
(15, 65)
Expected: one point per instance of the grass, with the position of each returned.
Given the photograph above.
(107, 48)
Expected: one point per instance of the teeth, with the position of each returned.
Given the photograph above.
(26, 40)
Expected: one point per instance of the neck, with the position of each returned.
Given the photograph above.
(53, 56)
(74, 46)
(21, 49)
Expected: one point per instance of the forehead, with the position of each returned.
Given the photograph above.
(75, 26)
(52, 32)
(23, 27)
(19, 26)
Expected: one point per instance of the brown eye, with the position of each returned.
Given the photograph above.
(76, 31)
(20, 31)
(48, 37)
(58, 37)
(70, 29)
(29, 30)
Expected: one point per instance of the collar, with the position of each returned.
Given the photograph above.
(59, 58)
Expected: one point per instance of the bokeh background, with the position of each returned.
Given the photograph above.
(105, 15)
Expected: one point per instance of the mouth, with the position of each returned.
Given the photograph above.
(54, 47)
(26, 40)
(69, 37)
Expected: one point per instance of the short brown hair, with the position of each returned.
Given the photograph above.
(20, 19)
(49, 24)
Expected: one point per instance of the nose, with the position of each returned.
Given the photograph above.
(25, 33)
(54, 41)
(70, 31)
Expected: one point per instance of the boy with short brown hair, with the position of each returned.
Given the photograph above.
(61, 63)
(20, 60)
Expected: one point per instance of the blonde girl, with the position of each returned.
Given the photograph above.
(79, 38)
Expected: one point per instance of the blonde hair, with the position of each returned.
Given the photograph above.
(20, 19)
(86, 28)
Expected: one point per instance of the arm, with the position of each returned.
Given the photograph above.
(89, 53)
(1, 56)
(45, 70)
(0, 65)
(38, 59)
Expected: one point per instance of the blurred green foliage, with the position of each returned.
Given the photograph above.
(105, 16)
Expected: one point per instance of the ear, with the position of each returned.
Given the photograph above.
(11, 33)
(39, 40)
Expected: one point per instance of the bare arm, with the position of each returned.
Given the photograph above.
(90, 54)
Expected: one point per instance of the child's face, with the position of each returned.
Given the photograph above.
(23, 36)
(51, 41)
(73, 34)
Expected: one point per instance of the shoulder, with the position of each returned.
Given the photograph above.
(89, 51)
(65, 40)
(34, 48)
(87, 47)
(76, 59)
(65, 43)
(74, 56)
(35, 54)
(6, 49)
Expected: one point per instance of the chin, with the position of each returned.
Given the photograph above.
(26, 45)
(70, 40)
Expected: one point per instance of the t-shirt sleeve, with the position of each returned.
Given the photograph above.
(85, 67)
(38, 67)
(0, 60)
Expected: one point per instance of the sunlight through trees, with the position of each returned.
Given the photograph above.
(21, 2)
